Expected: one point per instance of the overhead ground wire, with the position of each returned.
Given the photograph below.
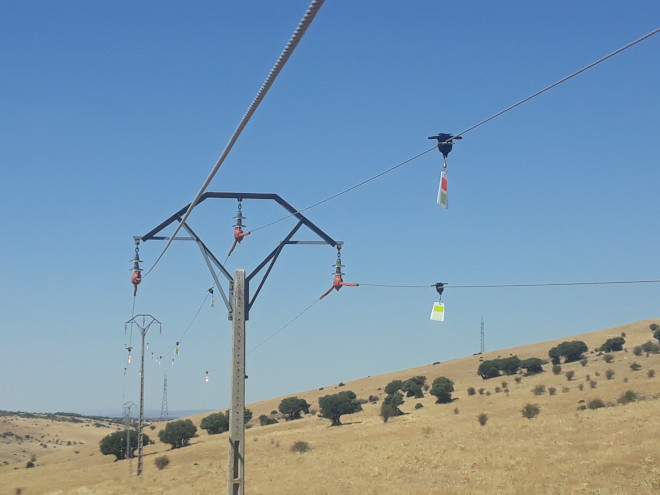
(307, 19)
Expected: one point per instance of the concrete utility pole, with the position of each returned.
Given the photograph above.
(143, 327)
(239, 303)
(236, 471)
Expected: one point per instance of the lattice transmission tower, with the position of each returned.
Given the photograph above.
(164, 413)
(482, 335)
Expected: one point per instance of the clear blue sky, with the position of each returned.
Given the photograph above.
(113, 114)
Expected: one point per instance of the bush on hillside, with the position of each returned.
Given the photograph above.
(570, 351)
(482, 418)
(334, 406)
(635, 366)
(393, 387)
(609, 374)
(471, 391)
(300, 447)
(442, 388)
(532, 366)
(265, 420)
(161, 462)
(628, 397)
(569, 375)
(390, 406)
(413, 387)
(178, 433)
(556, 369)
(596, 404)
(530, 411)
(215, 423)
(115, 444)
(292, 407)
(613, 344)
(650, 347)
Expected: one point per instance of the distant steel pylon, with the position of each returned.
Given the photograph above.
(164, 414)
(482, 335)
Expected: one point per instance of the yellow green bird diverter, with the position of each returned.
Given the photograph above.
(438, 312)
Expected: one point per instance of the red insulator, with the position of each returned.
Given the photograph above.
(238, 237)
(337, 284)
(136, 278)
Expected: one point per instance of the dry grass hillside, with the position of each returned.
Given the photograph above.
(434, 449)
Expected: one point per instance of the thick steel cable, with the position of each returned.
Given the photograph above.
(307, 19)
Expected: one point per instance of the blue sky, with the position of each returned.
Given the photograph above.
(113, 114)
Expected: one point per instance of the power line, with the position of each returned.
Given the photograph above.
(285, 326)
(460, 134)
(501, 286)
(347, 190)
(307, 19)
(638, 40)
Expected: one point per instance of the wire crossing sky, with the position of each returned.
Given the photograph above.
(106, 135)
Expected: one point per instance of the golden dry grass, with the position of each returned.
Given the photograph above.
(431, 450)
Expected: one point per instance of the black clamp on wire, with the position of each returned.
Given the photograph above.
(440, 287)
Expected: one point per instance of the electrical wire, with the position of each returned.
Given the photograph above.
(501, 286)
(460, 134)
(285, 326)
(348, 189)
(307, 19)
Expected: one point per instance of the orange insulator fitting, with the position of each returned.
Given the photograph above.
(136, 278)
(337, 284)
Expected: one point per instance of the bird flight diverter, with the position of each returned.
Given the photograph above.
(438, 311)
(442, 191)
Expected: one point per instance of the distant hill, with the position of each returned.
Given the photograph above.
(480, 443)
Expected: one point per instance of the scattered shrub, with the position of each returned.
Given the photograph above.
(393, 386)
(570, 374)
(504, 384)
(580, 387)
(29, 464)
(593, 384)
(596, 404)
(556, 369)
(161, 462)
(273, 413)
(341, 384)
(565, 389)
(571, 351)
(481, 391)
(215, 423)
(552, 390)
(608, 358)
(390, 406)
(583, 362)
(650, 373)
(456, 411)
(613, 345)
(442, 388)
(651, 347)
(498, 390)
(628, 397)
(530, 411)
(374, 398)
(482, 418)
(635, 366)
(518, 379)
(292, 407)
(419, 405)
(178, 433)
(265, 420)
(609, 374)
(538, 390)
(300, 447)
(471, 391)
(637, 350)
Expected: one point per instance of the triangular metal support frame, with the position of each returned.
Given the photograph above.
(212, 261)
